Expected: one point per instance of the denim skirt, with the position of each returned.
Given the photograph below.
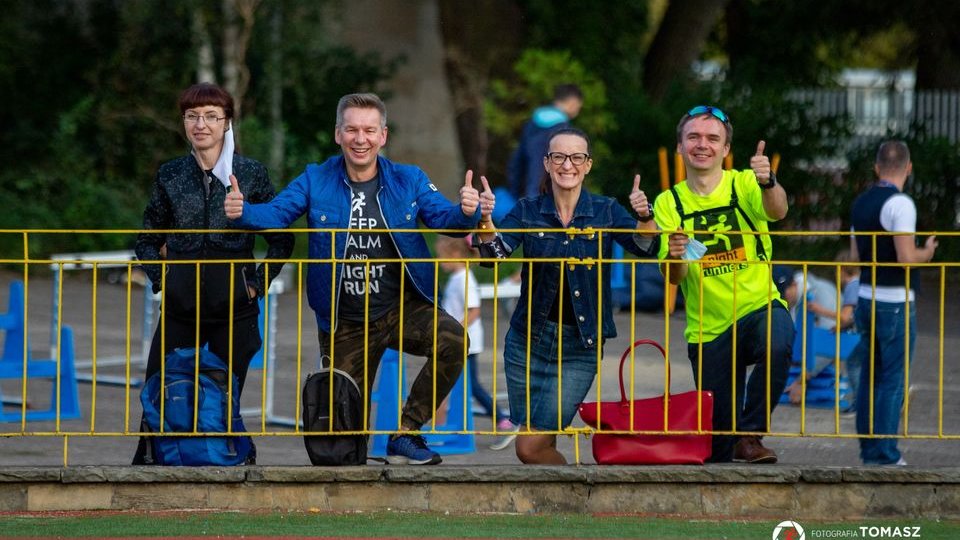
(549, 407)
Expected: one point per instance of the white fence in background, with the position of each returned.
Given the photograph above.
(878, 111)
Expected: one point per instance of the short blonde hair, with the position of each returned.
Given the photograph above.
(456, 248)
(846, 256)
(361, 101)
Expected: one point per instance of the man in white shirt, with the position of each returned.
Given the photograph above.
(885, 208)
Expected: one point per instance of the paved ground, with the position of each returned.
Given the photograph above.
(815, 441)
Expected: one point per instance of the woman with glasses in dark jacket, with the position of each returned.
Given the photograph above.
(188, 193)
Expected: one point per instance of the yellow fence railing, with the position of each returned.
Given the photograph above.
(112, 322)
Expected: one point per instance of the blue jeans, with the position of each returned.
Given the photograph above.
(548, 410)
(751, 403)
(887, 370)
(479, 393)
(855, 361)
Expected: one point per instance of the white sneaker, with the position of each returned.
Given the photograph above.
(901, 462)
(506, 439)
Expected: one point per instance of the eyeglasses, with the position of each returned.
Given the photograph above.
(558, 158)
(707, 109)
(209, 118)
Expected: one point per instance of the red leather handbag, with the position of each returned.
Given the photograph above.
(686, 412)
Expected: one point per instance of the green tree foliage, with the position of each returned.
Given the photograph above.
(767, 62)
(608, 43)
(536, 73)
(89, 91)
(607, 39)
(310, 96)
(934, 185)
(88, 117)
(767, 50)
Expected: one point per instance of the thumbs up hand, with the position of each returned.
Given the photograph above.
(469, 196)
(761, 164)
(233, 202)
(638, 200)
(487, 200)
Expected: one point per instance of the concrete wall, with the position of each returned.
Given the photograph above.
(713, 492)
(420, 111)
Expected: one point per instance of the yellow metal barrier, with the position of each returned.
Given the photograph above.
(97, 311)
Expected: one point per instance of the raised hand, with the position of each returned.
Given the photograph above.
(233, 202)
(638, 199)
(487, 200)
(469, 196)
(761, 164)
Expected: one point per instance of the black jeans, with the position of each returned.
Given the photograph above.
(750, 407)
(418, 320)
(182, 333)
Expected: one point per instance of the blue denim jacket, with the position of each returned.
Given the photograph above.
(579, 280)
(323, 193)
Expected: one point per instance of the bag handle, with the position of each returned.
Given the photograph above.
(626, 353)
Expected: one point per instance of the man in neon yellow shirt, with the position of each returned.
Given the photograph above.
(729, 282)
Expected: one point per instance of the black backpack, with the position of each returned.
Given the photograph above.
(347, 413)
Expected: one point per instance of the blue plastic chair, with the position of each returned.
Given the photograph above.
(11, 365)
(445, 440)
(820, 342)
(12, 322)
(618, 274)
(257, 361)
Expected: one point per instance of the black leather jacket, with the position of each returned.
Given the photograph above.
(180, 200)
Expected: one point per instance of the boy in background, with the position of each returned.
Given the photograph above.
(461, 296)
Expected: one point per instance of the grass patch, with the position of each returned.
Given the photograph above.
(418, 525)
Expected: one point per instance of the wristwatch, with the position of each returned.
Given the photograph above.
(771, 183)
(648, 217)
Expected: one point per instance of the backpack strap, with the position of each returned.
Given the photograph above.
(735, 202)
(149, 456)
(676, 199)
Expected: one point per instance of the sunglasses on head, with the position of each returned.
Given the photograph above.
(713, 111)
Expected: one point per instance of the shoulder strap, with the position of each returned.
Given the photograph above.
(735, 202)
(676, 198)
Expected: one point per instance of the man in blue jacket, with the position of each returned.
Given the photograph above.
(526, 163)
(358, 306)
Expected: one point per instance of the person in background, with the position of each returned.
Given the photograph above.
(525, 168)
(850, 287)
(821, 301)
(359, 305)
(563, 327)
(821, 294)
(463, 290)
(886, 311)
(188, 193)
(726, 295)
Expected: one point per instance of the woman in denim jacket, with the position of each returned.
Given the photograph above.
(555, 323)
